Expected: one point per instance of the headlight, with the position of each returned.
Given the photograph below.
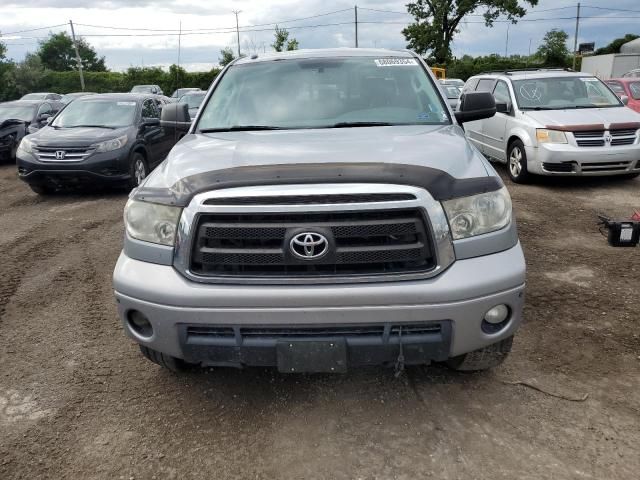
(478, 214)
(109, 145)
(550, 136)
(151, 222)
(26, 145)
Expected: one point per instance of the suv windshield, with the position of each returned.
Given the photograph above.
(99, 113)
(193, 99)
(324, 92)
(17, 112)
(560, 93)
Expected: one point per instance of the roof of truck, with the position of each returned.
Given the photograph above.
(325, 53)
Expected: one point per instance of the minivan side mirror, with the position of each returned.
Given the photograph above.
(475, 106)
(624, 99)
(503, 107)
(176, 116)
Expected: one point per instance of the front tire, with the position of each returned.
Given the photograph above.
(482, 359)
(517, 163)
(167, 361)
(138, 170)
(41, 189)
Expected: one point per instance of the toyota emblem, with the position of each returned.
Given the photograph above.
(309, 245)
(60, 154)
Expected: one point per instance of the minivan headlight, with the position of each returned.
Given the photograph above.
(151, 222)
(550, 136)
(110, 145)
(478, 214)
(26, 145)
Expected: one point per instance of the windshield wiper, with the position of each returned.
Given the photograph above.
(90, 126)
(360, 124)
(240, 128)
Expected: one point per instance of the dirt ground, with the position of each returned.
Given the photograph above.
(78, 401)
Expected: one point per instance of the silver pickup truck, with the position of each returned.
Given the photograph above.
(323, 210)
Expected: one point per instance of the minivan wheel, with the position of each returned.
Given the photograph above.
(167, 361)
(138, 169)
(482, 359)
(517, 163)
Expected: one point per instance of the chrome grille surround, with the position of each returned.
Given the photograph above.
(432, 209)
(71, 154)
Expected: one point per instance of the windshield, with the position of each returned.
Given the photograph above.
(193, 100)
(451, 91)
(182, 91)
(101, 113)
(320, 93)
(142, 89)
(560, 93)
(34, 96)
(17, 112)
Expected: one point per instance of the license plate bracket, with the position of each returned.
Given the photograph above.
(312, 356)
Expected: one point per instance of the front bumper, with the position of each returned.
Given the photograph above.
(98, 168)
(569, 160)
(456, 300)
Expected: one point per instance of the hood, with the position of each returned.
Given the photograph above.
(12, 122)
(440, 147)
(72, 137)
(584, 116)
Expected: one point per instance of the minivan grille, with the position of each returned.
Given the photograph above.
(596, 138)
(360, 243)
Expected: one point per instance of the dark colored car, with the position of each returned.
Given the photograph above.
(110, 139)
(154, 89)
(180, 92)
(193, 100)
(55, 97)
(70, 97)
(19, 118)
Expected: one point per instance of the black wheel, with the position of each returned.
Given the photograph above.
(631, 176)
(517, 163)
(488, 357)
(138, 169)
(166, 361)
(42, 189)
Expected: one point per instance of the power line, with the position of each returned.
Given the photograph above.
(4, 34)
(611, 9)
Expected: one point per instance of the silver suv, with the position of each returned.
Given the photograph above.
(324, 210)
(554, 122)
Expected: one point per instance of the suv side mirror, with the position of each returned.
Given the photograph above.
(475, 106)
(176, 116)
(624, 99)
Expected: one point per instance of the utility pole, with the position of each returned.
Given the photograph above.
(575, 37)
(179, 49)
(529, 56)
(506, 45)
(238, 29)
(355, 9)
(78, 59)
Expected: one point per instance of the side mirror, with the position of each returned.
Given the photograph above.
(49, 120)
(475, 106)
(44, 118)
(150, 122)
(624, 99)
(503, 107)
(176, 116)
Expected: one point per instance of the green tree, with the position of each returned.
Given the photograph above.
(226, 56)
(553, 51)
(281, 40)
(614, 47)
(27, 76)
(6, 66)
(57, 53)
(436, 22)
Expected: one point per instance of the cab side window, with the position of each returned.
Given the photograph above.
(485, 85)
(149, 109)
(470, 86)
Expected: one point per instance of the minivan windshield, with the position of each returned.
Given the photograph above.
(561, 93)
(324, 93)
(16, 112)
(96, 113)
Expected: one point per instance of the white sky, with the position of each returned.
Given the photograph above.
(201, 51)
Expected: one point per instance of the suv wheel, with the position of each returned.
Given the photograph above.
(167, 361)
(483, 358)
(41, 189)
(138, 169)
(517, 163)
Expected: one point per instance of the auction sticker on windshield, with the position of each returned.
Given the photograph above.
(126, 104)
(395, 62)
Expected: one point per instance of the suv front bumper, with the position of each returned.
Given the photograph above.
(456, 301)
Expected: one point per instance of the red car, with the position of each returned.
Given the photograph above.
(629, 87)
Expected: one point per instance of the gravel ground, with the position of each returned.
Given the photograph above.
(78, 401)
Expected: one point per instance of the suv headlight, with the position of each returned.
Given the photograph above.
(26, 145)
(478, 214)
(151, 222)
(550, 136)
(110, 145)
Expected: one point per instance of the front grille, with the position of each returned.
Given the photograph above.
(591, 143)
(366, 242)
(596, 138)
(312, 199)
(71, 154)
(588, 133)
(616, 142)
(299, 331)
(605, 166)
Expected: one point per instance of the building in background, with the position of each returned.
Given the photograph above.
(614, 65)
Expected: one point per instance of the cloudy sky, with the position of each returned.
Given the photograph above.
(145, 32)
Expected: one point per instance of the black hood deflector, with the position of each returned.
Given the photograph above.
(438, 183)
